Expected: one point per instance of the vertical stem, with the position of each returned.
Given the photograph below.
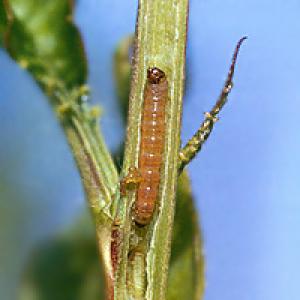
(160, 41)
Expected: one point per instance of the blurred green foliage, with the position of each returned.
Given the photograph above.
(122, 71)
(186, 273)
(41, 37)
(66, 267)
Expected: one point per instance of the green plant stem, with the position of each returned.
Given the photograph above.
(160, 41)
(93, 163)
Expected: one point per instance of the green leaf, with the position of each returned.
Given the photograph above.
(65, 267)
(3, 22)
(40, 36)
(122, 71)
(186, 271)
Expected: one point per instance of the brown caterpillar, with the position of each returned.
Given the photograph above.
(146, 178)
(152, 144)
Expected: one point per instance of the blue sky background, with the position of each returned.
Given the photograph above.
(246, 178)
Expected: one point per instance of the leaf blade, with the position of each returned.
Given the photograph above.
(41, 37)
(187, 262)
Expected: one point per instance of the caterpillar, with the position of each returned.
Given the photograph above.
(146, 178)
(151, 144)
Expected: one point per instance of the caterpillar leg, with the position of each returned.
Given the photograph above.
(130, 181)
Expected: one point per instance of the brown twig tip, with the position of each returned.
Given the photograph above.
(228, 82)
(237, 48)
(234, 59)
(240, 42)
